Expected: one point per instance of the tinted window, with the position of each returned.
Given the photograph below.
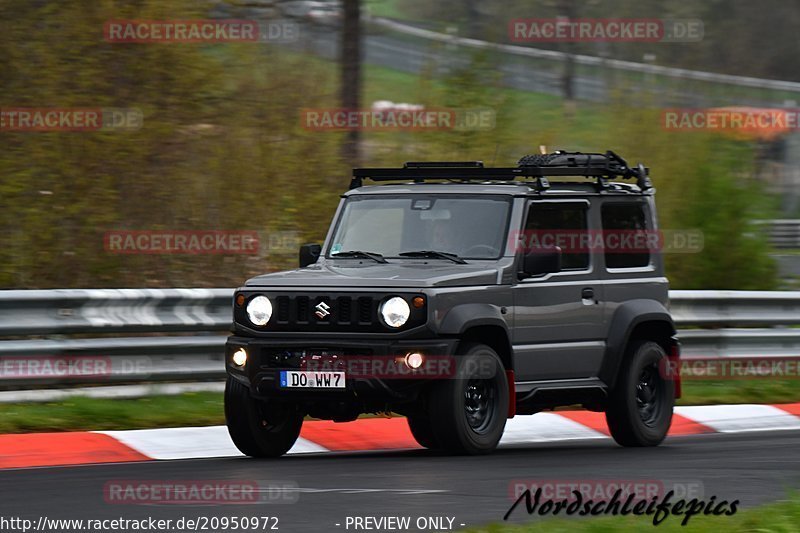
(559, 224)
(470, 226)
(624, 221)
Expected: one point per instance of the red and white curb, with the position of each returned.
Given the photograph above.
(76, 448)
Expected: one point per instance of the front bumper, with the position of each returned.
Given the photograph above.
(267, 357)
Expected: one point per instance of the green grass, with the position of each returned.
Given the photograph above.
(195, 409)
(764, 391)
(773, 518)
(206, 408)
(532, 118)
(387, 9)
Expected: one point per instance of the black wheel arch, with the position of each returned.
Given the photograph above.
(483, 324)
(635, 319)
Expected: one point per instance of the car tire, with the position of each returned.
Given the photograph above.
(468, 411)
(422, 430)
(259, 428)
(639, 411)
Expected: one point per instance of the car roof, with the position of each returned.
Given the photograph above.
(516, 188)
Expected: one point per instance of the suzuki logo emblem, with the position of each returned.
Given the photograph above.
(323, 310)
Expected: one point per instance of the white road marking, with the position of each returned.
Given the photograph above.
(740, 418)
(546, 427)
(191, 443)
(214, 441)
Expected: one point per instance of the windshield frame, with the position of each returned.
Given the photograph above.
(508, 198)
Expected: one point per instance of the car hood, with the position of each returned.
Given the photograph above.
(358, 274)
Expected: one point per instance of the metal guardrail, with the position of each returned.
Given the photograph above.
(546, 75)
(111, 360)
(785, 233)
(732, 309)
(185, 331)
(188, 325)
(68, 311)
(743, 81)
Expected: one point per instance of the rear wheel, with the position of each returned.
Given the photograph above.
(259, 428)
(639, 410)
(468, 412)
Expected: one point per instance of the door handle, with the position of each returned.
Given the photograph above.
(587, 296)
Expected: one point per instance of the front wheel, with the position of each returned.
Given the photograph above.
(468, 411)
(259, 428)
(639, 410)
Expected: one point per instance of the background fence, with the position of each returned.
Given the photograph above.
(411, 48)
(139, 336)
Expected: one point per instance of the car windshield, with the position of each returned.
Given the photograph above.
(467, 226)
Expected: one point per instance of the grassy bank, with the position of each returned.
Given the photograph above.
(189, 409)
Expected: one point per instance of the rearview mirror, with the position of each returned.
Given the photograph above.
(309, 253)
(541, 261)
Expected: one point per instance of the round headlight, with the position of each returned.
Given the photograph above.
(395, 312)
(259, 310)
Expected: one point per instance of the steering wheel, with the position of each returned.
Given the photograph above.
(474, 250)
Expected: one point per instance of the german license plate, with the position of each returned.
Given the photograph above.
(305, 379)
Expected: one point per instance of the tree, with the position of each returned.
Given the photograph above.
(351, 74)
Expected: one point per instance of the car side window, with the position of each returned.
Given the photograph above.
(624, 223)
(559, 225)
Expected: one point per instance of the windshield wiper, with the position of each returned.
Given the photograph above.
(378, 258)
(433, 253)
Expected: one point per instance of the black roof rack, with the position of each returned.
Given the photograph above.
(603, 167)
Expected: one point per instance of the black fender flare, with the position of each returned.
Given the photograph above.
(462, 317)
(625, 319)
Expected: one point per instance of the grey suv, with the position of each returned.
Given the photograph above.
(459, 296)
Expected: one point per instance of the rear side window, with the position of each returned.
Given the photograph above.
(557, 223)
(622, 223)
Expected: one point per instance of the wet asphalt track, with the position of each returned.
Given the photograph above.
(753, 467)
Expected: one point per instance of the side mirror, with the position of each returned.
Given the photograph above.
(309, 253)
(541, 261)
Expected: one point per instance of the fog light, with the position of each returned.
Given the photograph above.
(239, 357)
(414, 360)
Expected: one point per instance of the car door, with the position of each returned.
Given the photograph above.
(559, 321)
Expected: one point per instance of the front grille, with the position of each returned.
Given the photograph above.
(301, 304)
(344, 310)
(365, 314)
(294, 312)
(283, 309)
(328, 311)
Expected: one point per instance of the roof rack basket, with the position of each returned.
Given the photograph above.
(603, 167)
